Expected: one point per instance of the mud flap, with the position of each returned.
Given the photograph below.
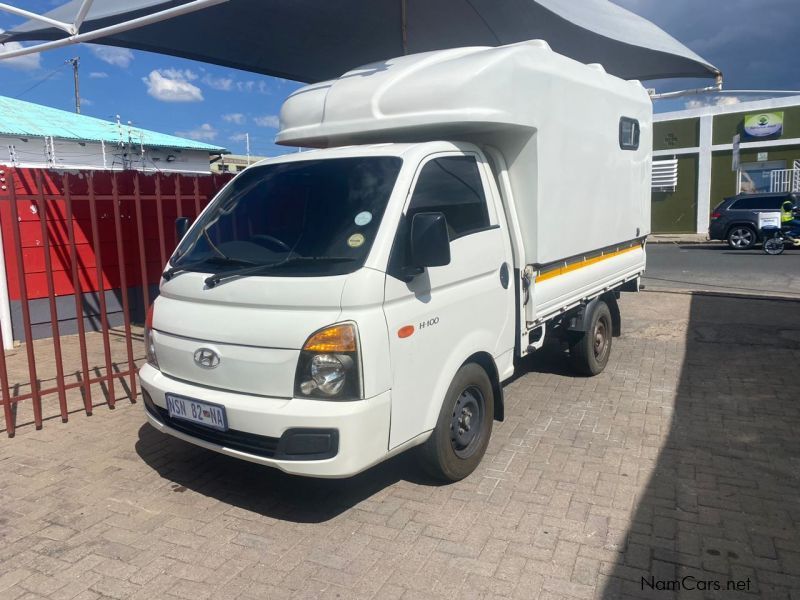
(579, 321)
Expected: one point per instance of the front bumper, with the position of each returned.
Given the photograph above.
(257, 424)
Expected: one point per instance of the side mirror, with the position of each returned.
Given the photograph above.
(430, 243)
(181, 227)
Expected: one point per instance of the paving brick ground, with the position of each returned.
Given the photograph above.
(683, 459)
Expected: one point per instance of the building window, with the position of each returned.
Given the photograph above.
(665, 175)
(756, 177)
(628, 133)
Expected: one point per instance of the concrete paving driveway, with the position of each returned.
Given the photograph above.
(676, 473)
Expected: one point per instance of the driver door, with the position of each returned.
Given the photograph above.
(435, 318)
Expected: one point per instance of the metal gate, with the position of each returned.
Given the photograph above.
(83, 253)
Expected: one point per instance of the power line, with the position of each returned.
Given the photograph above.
(41, 81)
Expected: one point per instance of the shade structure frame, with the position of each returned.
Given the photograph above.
(312, 40)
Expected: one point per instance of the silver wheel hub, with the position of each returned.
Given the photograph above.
(741, 237)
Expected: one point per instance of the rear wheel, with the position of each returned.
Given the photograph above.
(589, 352)
(742, 237)
(458, 443)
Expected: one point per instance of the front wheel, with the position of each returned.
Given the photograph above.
(588, 353)
(774, 246)
(458, 442)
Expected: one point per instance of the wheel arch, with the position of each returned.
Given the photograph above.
(747, 224)
(610, 298)
(486, 362)
(473, 347)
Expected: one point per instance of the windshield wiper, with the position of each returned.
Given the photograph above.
(244, 272)
(172, 271)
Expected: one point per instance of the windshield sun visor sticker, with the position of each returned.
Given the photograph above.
(363, 218)
(355, 240)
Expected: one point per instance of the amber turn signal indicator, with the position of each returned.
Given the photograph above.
(336, 338)
(405, 331)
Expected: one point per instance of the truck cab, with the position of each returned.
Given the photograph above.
(333, 307)
(318, 329)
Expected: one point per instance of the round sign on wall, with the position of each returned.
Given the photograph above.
(763, 124)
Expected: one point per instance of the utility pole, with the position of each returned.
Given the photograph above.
(75, 62)
(247, 142)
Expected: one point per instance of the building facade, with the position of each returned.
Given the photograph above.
(233, 163)
(703, 155)
(36, 136)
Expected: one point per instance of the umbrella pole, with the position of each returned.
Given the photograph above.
(404, 25)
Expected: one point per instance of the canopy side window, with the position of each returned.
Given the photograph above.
(628, 133)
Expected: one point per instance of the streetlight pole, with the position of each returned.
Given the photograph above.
(75, 62)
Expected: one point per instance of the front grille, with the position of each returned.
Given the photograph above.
(260, 445)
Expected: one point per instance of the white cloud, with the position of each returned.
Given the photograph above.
(237, 118)
(224, 84)
(119, 57)
(172, 85)
(205, 133)
(186, 74)
(728, 100)
(98, 75)
(253, 86)
(86, 102)
(271, 121)
(28, 62)
(238, 137)
(713, 101)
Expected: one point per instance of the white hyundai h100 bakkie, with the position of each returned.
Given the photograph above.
(331, 308)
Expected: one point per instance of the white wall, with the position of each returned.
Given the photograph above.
(38, 152)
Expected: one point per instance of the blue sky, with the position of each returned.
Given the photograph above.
(750, 40)
(162, 93)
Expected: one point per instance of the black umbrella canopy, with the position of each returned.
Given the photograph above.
(314, 40)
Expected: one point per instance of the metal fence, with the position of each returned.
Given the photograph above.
(83, 252)
(784, 180)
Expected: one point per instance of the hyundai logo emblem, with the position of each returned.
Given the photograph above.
(206, 358)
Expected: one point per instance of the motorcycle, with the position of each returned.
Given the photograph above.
(776, 238)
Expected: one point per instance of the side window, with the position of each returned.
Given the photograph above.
(628, 133)
(771, 203)
(774, 203)
(452, 185)
(744, 204)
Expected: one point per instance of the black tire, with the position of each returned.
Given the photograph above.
(742, 237)
(774, 246)
(589, 351)
(458, 443)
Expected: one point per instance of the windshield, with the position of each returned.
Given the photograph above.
(304, 218)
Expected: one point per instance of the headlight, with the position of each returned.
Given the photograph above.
(329, 364)
(149, 343)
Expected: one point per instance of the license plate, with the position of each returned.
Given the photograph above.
(196, 411)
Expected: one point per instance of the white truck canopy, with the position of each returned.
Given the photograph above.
(557, 123)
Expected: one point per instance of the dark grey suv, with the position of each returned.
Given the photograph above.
(735, 219)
